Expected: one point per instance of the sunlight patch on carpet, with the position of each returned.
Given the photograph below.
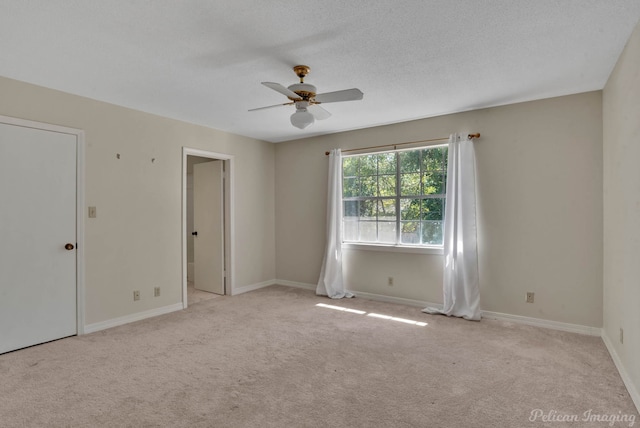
(374, 315)
(338, 308)
(404, 320)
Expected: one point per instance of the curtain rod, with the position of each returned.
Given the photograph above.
(469, 137)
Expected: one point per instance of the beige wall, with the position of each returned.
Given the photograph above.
(135, 241)
(539, 213)
(539, 172)
(621, 111)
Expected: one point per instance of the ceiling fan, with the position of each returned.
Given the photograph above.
(304, 97)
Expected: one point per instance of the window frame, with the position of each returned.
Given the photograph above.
(398, 246)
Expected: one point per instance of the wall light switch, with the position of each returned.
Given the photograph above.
(92, 212)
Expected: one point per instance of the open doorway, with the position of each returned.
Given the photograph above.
(207, 224)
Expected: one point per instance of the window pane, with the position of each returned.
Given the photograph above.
(445, 157)
(387, 185)
(410, 161)
(433, 183)
(349, 187)
(367, 232)
(350, 210)
(368, 210)
(387, 163)
(432, 232)
(350, 231)
(387, 232)
(387, 209)
(410, 209)
(410, 233)
(368, 186)
(350, 166)
(410, 184)
(368, 165)
(433, 209)
(433, 159)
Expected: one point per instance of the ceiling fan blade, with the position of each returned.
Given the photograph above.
(279, 88)
(337, 96)
(273, 106)
(318, 112)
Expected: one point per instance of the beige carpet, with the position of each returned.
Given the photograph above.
(272, 358)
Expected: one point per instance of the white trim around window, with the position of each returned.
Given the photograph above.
(383, 199)
(411, 249)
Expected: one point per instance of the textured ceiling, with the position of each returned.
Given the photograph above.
(202, 61)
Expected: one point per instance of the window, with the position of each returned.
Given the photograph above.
(395, 198)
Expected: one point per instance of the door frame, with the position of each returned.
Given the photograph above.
(80, 198)
(229, 208)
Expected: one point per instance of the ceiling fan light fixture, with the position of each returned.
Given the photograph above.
(302, 118)
(306, 99)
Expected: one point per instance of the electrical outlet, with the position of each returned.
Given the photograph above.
(390, 281)
(621, 335)
(156, 291)
(530, 297)
(136, 295)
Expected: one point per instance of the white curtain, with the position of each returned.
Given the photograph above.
(461, 278)
(331, 283)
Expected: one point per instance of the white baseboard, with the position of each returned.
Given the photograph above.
(399, 300)
(102, 325)
(537, 322)
(633, 390)
(294, 284)
(362, 294)
(554, 325)
(251, 287)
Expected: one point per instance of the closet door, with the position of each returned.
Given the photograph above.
(37, 236)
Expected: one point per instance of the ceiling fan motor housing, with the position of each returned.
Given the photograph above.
(304, 90)
(303, 96)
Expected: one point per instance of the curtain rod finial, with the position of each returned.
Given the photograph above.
(473, 136)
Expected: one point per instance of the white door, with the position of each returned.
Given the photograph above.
(37, 220)
(208, 221)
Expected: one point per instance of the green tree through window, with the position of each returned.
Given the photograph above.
(395, 197)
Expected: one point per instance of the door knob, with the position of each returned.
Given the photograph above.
(69, 247)
(194, 233)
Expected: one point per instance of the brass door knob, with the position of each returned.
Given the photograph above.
(69, 247)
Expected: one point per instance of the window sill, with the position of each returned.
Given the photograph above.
(392, 248)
